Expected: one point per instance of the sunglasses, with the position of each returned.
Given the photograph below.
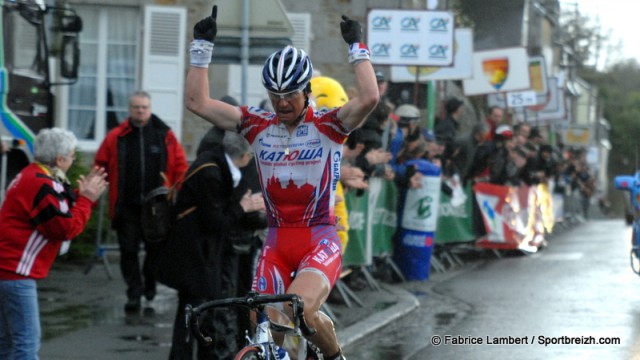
(286, 97)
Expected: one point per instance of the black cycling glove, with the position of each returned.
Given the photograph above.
(351, 30)
(207, 28)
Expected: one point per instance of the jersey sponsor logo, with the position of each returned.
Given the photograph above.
(336, 169)
(253, 110)
(263, 143)
(262, 283)
(328, 253)
(303, 130)
(304, 154)
(313, 143)
(279, 136)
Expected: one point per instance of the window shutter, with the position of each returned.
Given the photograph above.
(163, 62)
(302, 36)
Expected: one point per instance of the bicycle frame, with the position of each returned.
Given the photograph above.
(262, 340)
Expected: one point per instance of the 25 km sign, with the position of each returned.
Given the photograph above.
(521, 98)
(410, 37)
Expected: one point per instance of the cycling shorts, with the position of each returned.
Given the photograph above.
(291, 251)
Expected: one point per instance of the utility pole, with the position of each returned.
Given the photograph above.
(244, 51)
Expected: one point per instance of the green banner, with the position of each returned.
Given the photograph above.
(356, 252)
(383, 197)
(455, 223)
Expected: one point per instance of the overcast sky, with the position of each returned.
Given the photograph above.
(620, 18)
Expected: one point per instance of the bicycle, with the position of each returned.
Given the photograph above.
(632, 185)
(261, 345)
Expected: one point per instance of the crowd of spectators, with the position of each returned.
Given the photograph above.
(495, 150)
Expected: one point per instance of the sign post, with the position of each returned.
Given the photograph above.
(242, 22)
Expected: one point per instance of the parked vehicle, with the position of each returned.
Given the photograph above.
(39, 44)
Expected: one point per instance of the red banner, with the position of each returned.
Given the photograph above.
(511, 215)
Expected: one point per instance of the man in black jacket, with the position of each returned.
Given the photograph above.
(136, 154)
(447, 130)
(195, 259)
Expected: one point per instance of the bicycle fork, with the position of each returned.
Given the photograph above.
(264, 338)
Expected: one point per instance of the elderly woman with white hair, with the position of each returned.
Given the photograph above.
(40, 215)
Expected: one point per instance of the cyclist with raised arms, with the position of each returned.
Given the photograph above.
(298, 153)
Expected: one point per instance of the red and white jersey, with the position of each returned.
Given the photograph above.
(299, 171)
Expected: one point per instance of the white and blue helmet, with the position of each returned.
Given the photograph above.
(287, 70)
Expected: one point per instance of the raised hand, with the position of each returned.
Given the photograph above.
(206, 29)
(252, 202)
(94, 184)
(351, 30)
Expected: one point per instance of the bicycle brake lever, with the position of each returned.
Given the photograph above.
(194, 327)
(299, 309)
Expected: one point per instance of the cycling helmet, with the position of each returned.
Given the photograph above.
(407, 111)
(286, 71)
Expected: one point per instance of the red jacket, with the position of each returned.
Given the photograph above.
(37, 215)
(109, 158)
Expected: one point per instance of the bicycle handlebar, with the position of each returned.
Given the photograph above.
(252, 300)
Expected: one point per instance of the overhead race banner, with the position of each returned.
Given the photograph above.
(410, 37)
(460, 69)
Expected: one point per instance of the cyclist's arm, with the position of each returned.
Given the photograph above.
(355, 111)
(197, 100)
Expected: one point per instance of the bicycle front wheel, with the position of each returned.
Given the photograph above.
(251, 352)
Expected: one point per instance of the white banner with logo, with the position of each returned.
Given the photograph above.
(410, 37)
(461, 68)
(497, 71)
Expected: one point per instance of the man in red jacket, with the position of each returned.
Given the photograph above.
(40, 215)
(136, 154)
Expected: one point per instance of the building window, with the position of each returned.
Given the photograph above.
(109, 45)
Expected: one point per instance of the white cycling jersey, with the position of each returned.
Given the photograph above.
(299, 171)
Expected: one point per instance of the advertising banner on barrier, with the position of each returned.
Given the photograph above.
(356, 253)
(421, 205)
(512, 217)
(455, 223)
(382, 215)
(372, 222)
(540, 216)
(419, 220)
(499, 206)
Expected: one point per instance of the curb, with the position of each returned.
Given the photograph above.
(406, 303)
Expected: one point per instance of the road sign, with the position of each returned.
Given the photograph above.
(498, 70)
(267, 19)
(228, 49)
(521, 98)
(269, 30)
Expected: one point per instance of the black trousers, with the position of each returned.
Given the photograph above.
(130, 240)
(221, 325)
